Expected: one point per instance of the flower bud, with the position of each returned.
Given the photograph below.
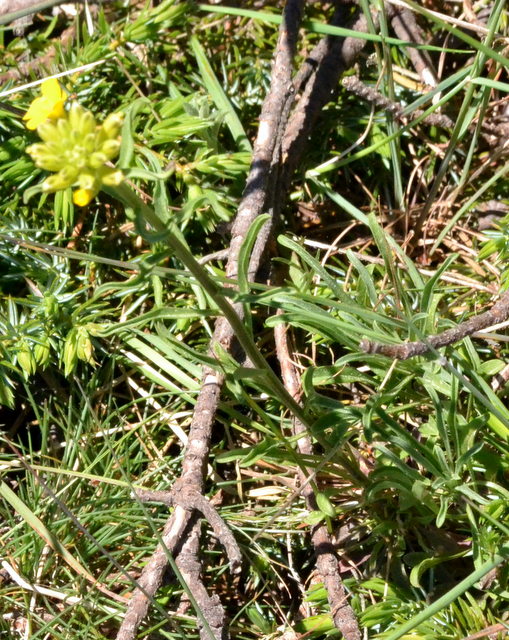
(70, 356)
(42, 352)
(110, 148)
(89, 142)
(112, 125)
(26, 358)
(63, 130)
(81, 120)
(50, 305)
(89, 181)
(49, 162)
(85, 348)
(112, 178)
(97, 159)
(48, 132)
(56, 182)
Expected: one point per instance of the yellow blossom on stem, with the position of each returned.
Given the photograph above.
(49, 106)
(78, 151)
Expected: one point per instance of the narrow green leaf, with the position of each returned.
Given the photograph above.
(325, 505)
(246, 249)
(317, 268)
(218, 95)
(126, 154)
(429, 563)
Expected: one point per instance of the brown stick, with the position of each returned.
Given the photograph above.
(261, 175)
(488, 631)
(318, 79)
(406, 28)
(326, 559)
(191, 500)
(12, 6)
(187, 560)
(498, 313)
(371, 95)
(210, 606)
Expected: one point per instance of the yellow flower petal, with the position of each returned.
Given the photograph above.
(82, 197)
(51, 89)
(58, 110)
(48, 106)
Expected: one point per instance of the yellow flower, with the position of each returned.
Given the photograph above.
(82, 197)
(78, 152)
(49, 106)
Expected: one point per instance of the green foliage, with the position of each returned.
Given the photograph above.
(497, 242)
(104, 331)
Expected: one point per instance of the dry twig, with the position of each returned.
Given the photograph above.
(192, 500)
(316, 81)
(498, 313)
(260, 182)
(326, 560)
(406, 28)
(278, 148)
(13, 6)
(490, 631)
(371, 95)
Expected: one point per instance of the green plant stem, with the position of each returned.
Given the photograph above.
(129, 198)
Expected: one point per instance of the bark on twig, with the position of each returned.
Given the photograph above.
(191, 500)
(211, 622)
(406, 28)
(323, 68)
(259, 183)
(12, 6)
(371, 95)
(497, 314)
(152, 574)
(178, 524)
(326, 559)
(496, 135)
(490, 632)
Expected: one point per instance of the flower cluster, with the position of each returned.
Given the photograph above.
(74, 147)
